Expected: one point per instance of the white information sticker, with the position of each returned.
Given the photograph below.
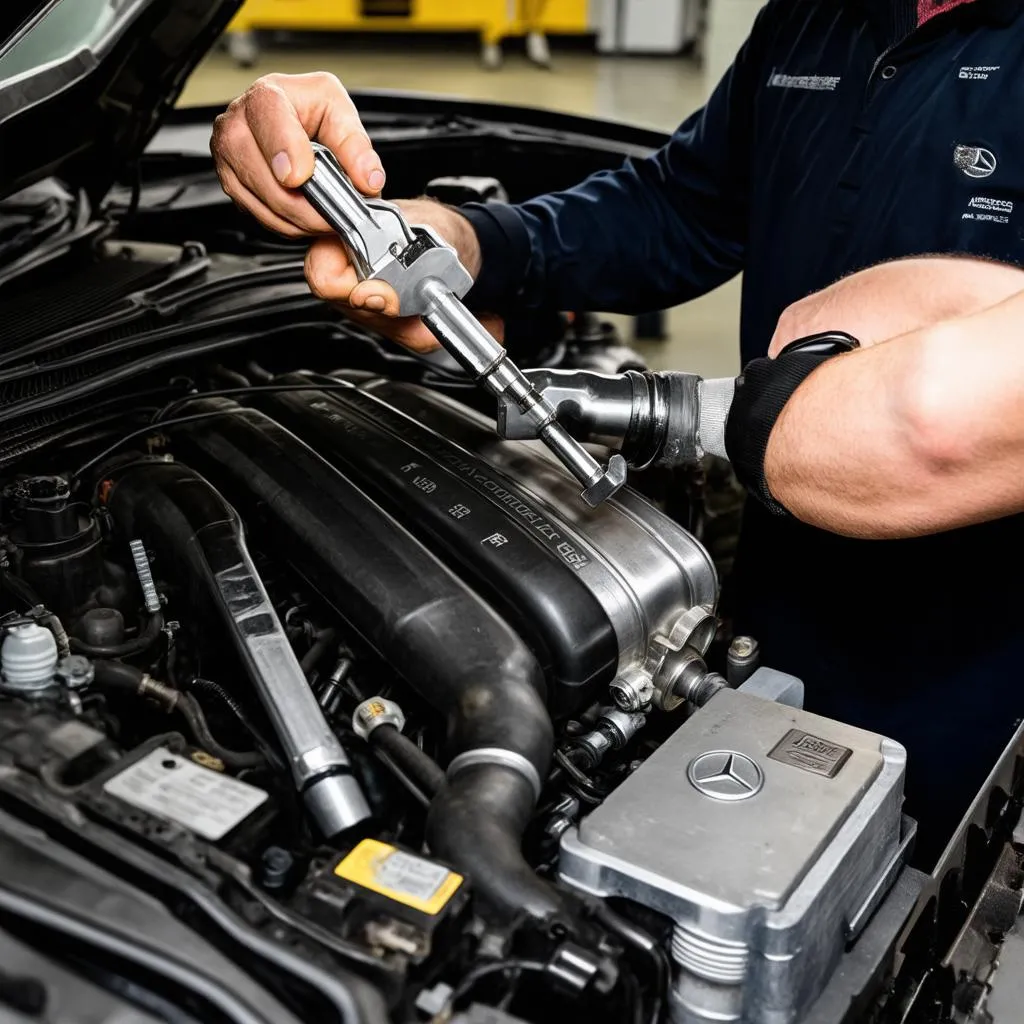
(411, 875)
(170, 786)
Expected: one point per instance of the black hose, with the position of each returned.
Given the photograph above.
(208, 686)
(189, 708)
(115, 675)
(417, 766)
(131, 681)
(324, 641)
(147, 636)
(427, 624)
(485, 809)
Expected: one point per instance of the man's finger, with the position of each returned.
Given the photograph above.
(249, 202)
(375, 297)
(234, 148)
(247, 162)
(326, 113)
(278, 131)
(330, 274)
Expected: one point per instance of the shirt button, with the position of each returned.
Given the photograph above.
(889, 71)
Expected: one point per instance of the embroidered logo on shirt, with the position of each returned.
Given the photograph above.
(977, 74)
(974, 161)
(984, 208)
(814, 83)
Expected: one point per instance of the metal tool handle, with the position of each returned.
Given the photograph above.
(370, 228)
(429, 279)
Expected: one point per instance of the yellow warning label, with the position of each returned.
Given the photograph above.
(410, 880)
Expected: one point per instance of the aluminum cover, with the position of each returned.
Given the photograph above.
(767, 834)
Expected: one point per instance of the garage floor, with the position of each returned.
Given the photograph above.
(658, 92)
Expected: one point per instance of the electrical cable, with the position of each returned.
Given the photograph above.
(77, 474)
(590, 793)
(466, 985)
(636, 937)
(195, 417)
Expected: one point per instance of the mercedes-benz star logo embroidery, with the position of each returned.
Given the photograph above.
(974, 161)
(725, 775)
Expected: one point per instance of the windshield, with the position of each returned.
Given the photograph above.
(69, 26)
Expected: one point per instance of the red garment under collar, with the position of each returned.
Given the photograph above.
(929, 8)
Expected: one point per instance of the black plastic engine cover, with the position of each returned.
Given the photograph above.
(490, 529)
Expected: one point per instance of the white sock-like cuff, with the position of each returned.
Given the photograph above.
(715, 403)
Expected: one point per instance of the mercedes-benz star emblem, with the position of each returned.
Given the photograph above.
(974, 161)
(725, 775)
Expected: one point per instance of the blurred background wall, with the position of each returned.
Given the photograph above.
(649, 62)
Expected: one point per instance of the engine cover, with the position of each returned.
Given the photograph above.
(767, 834)
(599, 594)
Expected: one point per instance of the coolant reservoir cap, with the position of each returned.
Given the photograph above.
(28, 658)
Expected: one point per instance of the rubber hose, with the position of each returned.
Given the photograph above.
(487, 843)
(209, 687)
(189, 708)
(320, 646)
(115, 675)
(418, 767)
(137, 645)
(130, 681)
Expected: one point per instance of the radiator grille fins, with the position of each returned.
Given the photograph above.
(95, 290)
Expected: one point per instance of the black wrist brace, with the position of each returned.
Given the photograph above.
(762, 390)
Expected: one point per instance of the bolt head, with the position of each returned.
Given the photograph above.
(743, 646)
(75, 671)
(623, 696)
(629, 695)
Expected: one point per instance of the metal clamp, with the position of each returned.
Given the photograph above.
(430, 281)
(498, 756)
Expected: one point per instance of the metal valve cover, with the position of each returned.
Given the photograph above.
(767, 834)
(590, 589)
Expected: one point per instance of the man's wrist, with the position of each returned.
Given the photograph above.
(463, 238)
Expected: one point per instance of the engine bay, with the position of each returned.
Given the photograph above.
(391, 687)
(316, 692)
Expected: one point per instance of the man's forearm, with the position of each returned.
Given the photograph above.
(900, 296)
(917, 435)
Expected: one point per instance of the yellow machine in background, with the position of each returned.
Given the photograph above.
(492, 20)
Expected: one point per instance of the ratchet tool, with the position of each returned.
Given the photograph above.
(430, 282)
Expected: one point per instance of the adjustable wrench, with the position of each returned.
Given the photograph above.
(430, 281)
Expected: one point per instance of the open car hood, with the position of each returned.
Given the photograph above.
(84, 84)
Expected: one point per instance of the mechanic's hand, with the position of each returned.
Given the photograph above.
(261, 147)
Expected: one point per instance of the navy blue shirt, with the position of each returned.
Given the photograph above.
(844, 135)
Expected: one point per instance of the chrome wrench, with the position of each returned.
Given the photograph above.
(430, 281)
